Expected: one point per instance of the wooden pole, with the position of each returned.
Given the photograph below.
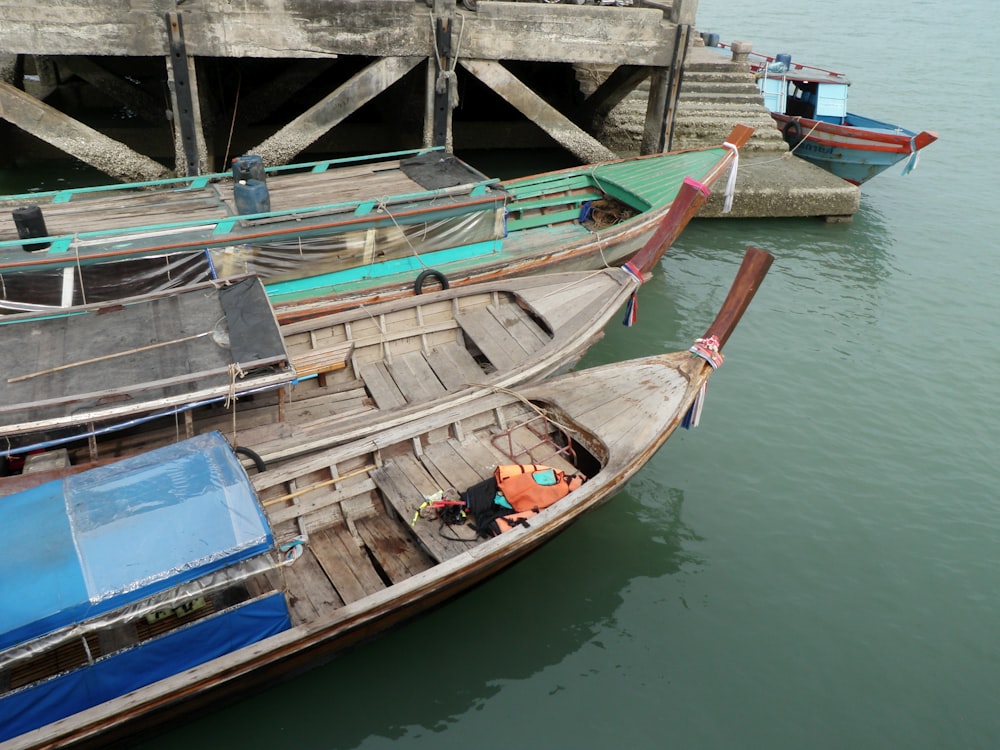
(319, 485)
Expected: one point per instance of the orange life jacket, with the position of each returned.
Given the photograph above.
(530, 487)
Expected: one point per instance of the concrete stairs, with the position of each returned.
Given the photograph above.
(716, 94)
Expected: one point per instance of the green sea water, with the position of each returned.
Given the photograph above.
(817, 564)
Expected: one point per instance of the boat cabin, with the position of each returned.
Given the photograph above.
(124, 575)
(804, 92)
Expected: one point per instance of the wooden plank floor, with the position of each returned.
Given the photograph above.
(405, 485)
(395, 549)
(337, 568)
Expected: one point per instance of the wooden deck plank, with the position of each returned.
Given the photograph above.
(381, 386)
(502, 349)
(520, 326)
(455, 366)
(415, 378)
(394, 548)
(451, 465)
(310, 593)
(345, 564)
(478, 455)
(316, 500)
(338, 185)
(558, 303)
(394, 480)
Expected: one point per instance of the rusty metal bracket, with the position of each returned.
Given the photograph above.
(184, 110)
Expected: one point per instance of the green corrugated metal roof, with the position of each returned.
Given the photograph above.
(645, 183)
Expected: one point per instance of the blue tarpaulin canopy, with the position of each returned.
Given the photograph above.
(117, 534)
(100, 548)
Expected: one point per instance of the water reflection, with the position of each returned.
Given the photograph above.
(425, 676)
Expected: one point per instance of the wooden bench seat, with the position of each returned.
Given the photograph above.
(505, 340)
(552, 210)
(319, 362)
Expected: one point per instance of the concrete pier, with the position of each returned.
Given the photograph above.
(772, 181)
(182, 86)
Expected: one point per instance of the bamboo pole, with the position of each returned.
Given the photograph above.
(318, 485)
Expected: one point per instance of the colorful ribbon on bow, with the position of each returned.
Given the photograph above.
(632, 307)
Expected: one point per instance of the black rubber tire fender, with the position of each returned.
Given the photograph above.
(792, 133)
(429, 273)
(253, 456)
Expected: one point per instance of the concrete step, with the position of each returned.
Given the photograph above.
(717, 76)
(720, 88)
(723, 106)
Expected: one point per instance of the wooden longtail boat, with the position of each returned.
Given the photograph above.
(363, 536)
(339, 235)
(809, 106)
(118, 378)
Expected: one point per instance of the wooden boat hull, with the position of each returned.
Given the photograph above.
(604, 422)
(389, 362)
(342, 254)
(307, 645)
(855, 151)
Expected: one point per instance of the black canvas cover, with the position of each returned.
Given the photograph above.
(437, 169)
(253, 333)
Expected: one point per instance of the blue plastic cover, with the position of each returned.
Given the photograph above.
(109, 678)
(114, 535)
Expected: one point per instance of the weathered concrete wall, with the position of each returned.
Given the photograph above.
(321, 28)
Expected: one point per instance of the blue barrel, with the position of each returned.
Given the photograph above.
(785, 58)
(251, 197)
(250, 167)
(30, 224)
(710, 40)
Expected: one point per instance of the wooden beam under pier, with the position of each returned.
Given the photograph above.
(571, 137)
(75, 138)
(503, 44)
(335, 107)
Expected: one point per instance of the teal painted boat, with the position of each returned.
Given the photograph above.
(329, 235)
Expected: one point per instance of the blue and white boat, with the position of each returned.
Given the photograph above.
(809, 105)
(127, 575)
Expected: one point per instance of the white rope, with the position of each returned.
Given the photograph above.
(235, 371)
(731, 181)
(791, 152)
(383, 207)
(447, 78)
